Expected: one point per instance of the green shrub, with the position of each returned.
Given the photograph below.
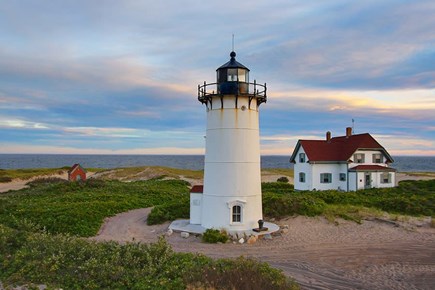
(169, 212)
(241, 273)
(282, 179)
(277, 187)
(410, 198)
(214, 236)
(46, 181)
(80, 208)
(63, 261)
(281, 205)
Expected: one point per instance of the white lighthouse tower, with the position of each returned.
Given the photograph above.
(231, 196)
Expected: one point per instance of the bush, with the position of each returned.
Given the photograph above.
(63, 261)
(282, 179)
(281, 205)
(213, 236)
(241, 273)
(169, 212)
(80, 208)
(46, 181)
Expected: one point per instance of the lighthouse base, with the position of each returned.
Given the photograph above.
(186, 226)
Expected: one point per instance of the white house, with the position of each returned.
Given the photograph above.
(348, 163)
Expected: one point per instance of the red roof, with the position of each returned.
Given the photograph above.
(338, 148)
(76, 166)
(197, 189)
(371, 168)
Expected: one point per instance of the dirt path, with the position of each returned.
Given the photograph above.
(318, 254)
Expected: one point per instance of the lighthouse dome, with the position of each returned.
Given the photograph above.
(230, 73)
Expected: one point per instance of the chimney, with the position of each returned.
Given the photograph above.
(348, 132)
(328, 136)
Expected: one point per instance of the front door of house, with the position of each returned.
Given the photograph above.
(368, 180)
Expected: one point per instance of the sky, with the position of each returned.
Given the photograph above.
(121, 77)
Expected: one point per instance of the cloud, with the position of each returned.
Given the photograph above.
(124, 75)
(21, 124)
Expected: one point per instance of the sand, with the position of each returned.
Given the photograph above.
(378, 254)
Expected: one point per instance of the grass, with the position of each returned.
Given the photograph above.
(80, 208)
(40, 241)
(41, 226)
(414, 198)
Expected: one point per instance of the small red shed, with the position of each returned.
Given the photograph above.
(77, 173)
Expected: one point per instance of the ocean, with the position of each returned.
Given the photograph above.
(195, 162)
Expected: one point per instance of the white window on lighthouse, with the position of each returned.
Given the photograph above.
(237, 214)
(236, 211)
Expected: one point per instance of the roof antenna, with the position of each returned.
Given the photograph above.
(233, 42)
(353, 125)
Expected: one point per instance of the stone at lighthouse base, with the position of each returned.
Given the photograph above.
(186, 226)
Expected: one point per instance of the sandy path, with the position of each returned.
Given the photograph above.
(318, 254)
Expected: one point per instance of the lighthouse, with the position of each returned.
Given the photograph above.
(231, 194)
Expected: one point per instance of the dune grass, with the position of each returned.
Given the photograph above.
(41, 226)
(79, 208)
(149, 172)
(415, 198)
(7, 175)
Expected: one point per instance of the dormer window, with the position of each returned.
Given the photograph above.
(302, 157)
(377, 158)
(358, 158)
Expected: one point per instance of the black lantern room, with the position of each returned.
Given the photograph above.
(232, 78)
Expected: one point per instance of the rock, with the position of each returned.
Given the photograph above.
(185, 235)
(241, 241)
(252, 240)
(285, 226)
(169, 232)
(267, 237)
(272, 220)
(284, 231)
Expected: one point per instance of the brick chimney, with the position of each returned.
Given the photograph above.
(328, 136)
(348, 132)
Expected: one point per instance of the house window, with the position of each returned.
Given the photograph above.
(342, 176)
(358, 158)
(377, 158)
(237, 214)
(301, 177)
(325, 177)
(301, 157)
(385, 177)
